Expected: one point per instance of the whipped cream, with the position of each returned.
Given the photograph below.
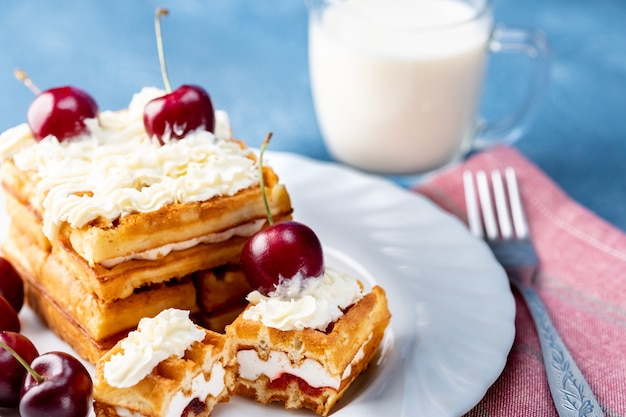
(170, 333)
(309, 370)
(278, 363)
(200, 388)
(317, 303)
(117, 169)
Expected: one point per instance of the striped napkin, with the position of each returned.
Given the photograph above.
(582, 283)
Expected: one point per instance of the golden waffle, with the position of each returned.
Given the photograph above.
(99, 318)
(26, 219)
(64, 325)
(91, 306)
(60, 292)
(221, 296)
(221, 288)
(156, 393)
(341, 353)
(171, 224)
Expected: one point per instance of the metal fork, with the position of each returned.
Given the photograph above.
(506, 231)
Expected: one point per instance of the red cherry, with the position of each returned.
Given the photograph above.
(9, 320)
(61, 112)
(281, 251)
(176, 114)
(65, 391)
(11, 285)
(13, 372)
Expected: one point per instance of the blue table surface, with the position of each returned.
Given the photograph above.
(252, 58)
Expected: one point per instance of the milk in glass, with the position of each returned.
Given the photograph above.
(396, 83)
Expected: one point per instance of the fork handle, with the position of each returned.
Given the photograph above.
(570, 391)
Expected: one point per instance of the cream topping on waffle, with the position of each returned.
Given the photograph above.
(319, 301)
(170, 333)
(117, 169)
(247, 229)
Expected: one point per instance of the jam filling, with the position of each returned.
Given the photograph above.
(283, 381)
(194, 408)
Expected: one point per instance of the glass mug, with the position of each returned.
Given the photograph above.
(397, 84)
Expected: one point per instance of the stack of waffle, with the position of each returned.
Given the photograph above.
(112, 227)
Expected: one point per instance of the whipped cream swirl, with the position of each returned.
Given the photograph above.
(300, 303)
(170, 333)
(117, 169)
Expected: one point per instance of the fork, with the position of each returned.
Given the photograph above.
(506, 232)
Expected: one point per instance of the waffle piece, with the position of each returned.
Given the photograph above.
(65, 325)
(99, 318)
(306, 368)
(221, 296)
(212, 245)
(24, 218)
(92, 325)
(187, 386)
(176, 223)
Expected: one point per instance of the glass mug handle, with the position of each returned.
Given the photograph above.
(510, 128)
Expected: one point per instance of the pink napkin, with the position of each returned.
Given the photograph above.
(582, 283)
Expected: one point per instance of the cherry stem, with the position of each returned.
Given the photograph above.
(159, 38)
(23, 77)
(266, 142)
(25, 364)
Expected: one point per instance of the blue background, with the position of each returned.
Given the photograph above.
(251, 55)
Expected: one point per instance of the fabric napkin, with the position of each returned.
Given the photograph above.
(582, 283)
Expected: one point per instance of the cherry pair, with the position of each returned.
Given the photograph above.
(61, 112)
(55, 383)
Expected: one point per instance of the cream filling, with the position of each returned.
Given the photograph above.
(244, 230)
(200, 388)
(311, 371)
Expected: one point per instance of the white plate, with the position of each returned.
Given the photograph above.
(453, 311)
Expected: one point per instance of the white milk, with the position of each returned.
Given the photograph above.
(401, 100)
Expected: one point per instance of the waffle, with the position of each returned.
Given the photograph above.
(108, 283)
(335, 357)
(58, 292)
(101, 318)
(66, 326)
(221, 296)
(100, 251)
(171, 388)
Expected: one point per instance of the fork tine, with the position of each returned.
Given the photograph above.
(484, 195)
(499, 196)
(519, 219)
(473, 215)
